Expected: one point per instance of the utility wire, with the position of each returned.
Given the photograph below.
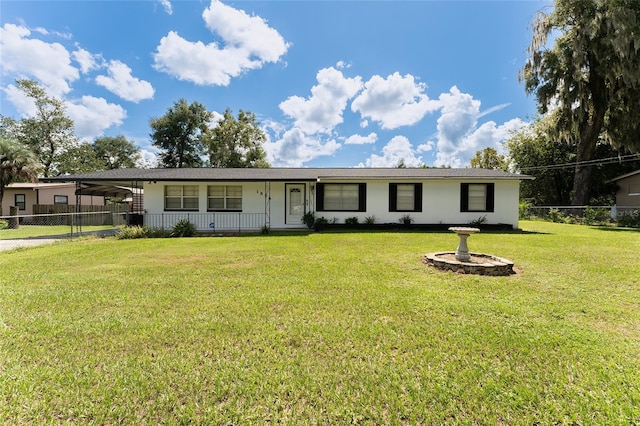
(597, 162)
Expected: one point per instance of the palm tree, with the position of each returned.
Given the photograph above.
(17, 163)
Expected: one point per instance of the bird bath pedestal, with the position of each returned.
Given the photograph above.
(462, 252)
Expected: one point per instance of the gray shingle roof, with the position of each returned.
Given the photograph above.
(285, 174)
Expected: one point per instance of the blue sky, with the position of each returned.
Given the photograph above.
(333, 83)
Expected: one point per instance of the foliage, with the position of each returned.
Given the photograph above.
(265, 229)
(552, 163)
(183, 228)
(590, 77)
(320, 223)
(248, 330)
(116, 152)
(630, 220)
(479, 221)
(524, 210)
(136, 231)
(48, 134)
(351, 220)
(406, 219)
(79, 158)
(17, 163)
(309, 219)
(370, 220)
(594, 216)
(4, 224)
(179, 134)
(489, 158)
(236, 142)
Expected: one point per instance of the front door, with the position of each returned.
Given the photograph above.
(295, 201)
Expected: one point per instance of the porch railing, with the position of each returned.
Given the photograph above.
(212, 221)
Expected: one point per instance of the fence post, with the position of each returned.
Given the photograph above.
(14, 222)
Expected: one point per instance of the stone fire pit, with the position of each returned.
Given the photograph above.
(462, 261)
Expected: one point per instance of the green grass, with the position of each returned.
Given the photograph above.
(323, 328)
(31, 231)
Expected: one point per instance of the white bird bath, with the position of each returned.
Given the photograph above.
(469, 263)
(462, 252)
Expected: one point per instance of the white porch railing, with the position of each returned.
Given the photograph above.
(212, 221)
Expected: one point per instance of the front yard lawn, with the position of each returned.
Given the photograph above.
(323, 328)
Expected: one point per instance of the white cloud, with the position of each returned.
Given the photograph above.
(393, 102)
(166, 4)
(426, 147)
(122, 83)
(399, 149)
(92, 116)
(50, 63)
(459, 137)
(148, 159)
(296, 148)
(87, 60)
(361, 140)
(249, 43)
(323, 110)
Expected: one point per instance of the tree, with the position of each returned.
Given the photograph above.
(533, 152)
(591, 76)
(116, 152)
(179, 134)
(489, 158)
(80, 158)
(237, 142)
(49, 133)
(551, 162)
(17, 163)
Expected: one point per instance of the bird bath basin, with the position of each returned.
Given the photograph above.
(465, 262)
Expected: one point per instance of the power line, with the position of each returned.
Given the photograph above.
(598, 162)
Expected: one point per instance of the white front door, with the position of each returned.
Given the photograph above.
(295, 202)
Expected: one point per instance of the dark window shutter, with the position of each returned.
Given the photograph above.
(491, 190)
(362, 197)
(320, 197)
(393, 197)
(417, 197)
(464, 197)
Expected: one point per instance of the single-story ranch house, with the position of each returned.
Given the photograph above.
(628, 192)
(25, 196)
(243, 199)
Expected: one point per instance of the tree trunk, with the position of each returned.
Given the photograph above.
(589, 134)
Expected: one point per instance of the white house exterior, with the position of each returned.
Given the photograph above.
(249, 199)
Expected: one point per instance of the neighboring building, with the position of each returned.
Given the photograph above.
(25, 195)
(250, 198)
(628, 193)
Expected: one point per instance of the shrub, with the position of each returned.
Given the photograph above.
(320, 223)
(479, 221)
(594, 216)
(351, 220)
(4, 224)
(630, 220)
(406, 219)
(183, 228)
(132, 232)
(265, 229)
(309, 219)
(524, 212)
(370, 220)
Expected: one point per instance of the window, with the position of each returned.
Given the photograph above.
(20, 201)
(181, 197)
(405, 197)
(60, 199)
(342, 197)
(224, 197)
(477, 197)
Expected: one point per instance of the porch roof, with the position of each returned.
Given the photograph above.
(284, 174)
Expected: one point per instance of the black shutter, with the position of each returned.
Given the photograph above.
(464, 197)
(393, 197)
(491, 190)
(417, 197)
(362, 197)
(320, 197)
